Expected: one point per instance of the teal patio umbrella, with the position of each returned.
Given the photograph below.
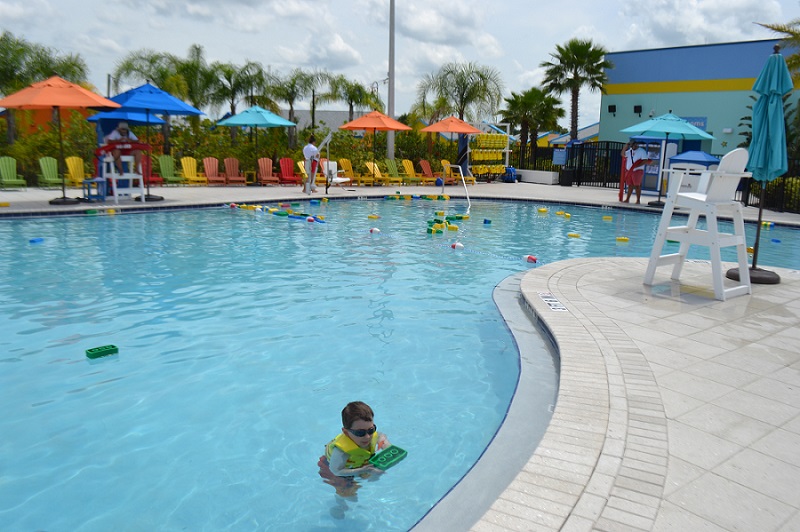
(256, 117)
(767, 152)
(666, 126)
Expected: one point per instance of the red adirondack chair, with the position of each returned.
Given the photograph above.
(266, 175)
(232, 174)
(287, 175)
(211, 167)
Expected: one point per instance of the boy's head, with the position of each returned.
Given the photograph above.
(311, 140)
(355, 411)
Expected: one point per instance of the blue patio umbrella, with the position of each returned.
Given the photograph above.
(108, 120)
(256, 117)
(152, 100)
(767, 152)
(666, 126)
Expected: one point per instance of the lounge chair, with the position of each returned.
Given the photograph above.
(9, 178)
(412, 174)
(76, 171)
(394, 175)
(49, 177)
(266, 174)
(375, 172)
(166, 167)
(189, 170)
(287, 175)
(425, 167)
(211, 167)
(337, 180)
(232, 174)
(357, 179)
(450, 171)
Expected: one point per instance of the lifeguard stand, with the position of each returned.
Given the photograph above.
(716, 196)
(127, 184)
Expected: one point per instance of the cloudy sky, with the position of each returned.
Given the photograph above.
(351, 37)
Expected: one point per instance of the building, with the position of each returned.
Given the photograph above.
(708, 85)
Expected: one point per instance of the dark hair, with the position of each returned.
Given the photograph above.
(312, 138)
(355, 411)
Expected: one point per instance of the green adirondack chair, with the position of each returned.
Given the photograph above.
(391, 169)
(49, 177)
(166, 165)
(9, 178)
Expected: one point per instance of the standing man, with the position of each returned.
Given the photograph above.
(311, 155)
(122, 135)
(635, 161)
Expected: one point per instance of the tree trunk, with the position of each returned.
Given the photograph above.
(573, 125)
(11, 126)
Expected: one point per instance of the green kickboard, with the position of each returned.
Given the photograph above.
(389, 457)
(104, 351)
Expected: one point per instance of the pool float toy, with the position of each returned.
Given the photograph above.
(5, 204)
(280, 213)
(37, 240)
(673, 241)
(573, 235)
(487, 221)
(373, 216)
(751, 250)
(767, 224)
(311, 219)
(314, 202)
(439, 213)
(452, 227)
(324, 200)
(542, 209)
(559, 213)
(259, 209)
(776, 240)
(111, 212)
(622, 239)
(530, 258)
(319, 217)
(102, 351)
(374, 230)
(91, 212)
(607, 218)
(457, 245)
(567, 215)
(389, 457)
(233, 205)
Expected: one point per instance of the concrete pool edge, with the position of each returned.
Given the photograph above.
(517, 438)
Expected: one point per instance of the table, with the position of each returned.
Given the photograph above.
(94, 189)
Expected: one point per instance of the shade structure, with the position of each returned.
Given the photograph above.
(108, 120)
(666, 126)
(375, 121)
(57, 93)
(697, 157)
(451, 124)
(256, 117)
(767, 152)
(151, 100)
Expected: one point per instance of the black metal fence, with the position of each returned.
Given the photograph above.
(598, 164)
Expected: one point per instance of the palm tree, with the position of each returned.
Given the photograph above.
(534, 110)
(473, 91)
(295, 86)
(577, 64)
(354, 94)
(233, 84)
(791, 39)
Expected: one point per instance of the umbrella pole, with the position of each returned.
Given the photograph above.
(148, 196)
(63, 200)
(661, 159)
(757, 275)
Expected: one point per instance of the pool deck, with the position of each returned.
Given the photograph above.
(675, 411)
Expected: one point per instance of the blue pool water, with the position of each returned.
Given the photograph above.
(241, 337)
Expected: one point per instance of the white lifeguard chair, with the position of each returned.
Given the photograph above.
(127, 184)
(714, 194)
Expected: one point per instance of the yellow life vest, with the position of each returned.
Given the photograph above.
(356, 456)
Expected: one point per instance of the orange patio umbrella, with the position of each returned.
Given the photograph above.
(56, 93)
(451, 124)
(376, 121)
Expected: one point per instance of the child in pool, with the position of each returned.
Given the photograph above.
(348, 453)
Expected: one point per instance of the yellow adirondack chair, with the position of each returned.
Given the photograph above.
(76, 171)
(413, 175)
(357, 179)
(189, 170)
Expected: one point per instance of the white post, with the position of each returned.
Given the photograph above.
(390, 107)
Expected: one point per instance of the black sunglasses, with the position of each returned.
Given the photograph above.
(360, 433)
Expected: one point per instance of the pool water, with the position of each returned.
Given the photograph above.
(242, 335)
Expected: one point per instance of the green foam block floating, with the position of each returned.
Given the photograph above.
(103, 351)
(389, 457)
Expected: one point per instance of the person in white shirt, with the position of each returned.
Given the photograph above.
(635, 161)
(311, 156)
(121, 135)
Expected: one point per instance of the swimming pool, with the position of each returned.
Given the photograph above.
(241, 337)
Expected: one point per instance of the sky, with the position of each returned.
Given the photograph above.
(352, 37)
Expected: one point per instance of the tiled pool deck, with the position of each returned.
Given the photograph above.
(675, 411)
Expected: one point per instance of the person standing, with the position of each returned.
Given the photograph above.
(636, 160)
(311, 156)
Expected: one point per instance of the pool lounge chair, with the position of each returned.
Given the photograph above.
(425, 167)
(391, 169)
(76, 171)
(413, 175)
(455, 172)
(385, 180)
(166, 168)
(287, 175)
(211, 167)
(189, 171)
(9, 178)
(48, 178)
(266, 173)
(232, 174)
(357, 179)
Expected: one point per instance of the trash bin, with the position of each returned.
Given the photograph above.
(566, 176)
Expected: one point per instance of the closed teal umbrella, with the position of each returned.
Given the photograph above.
(767, 159)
